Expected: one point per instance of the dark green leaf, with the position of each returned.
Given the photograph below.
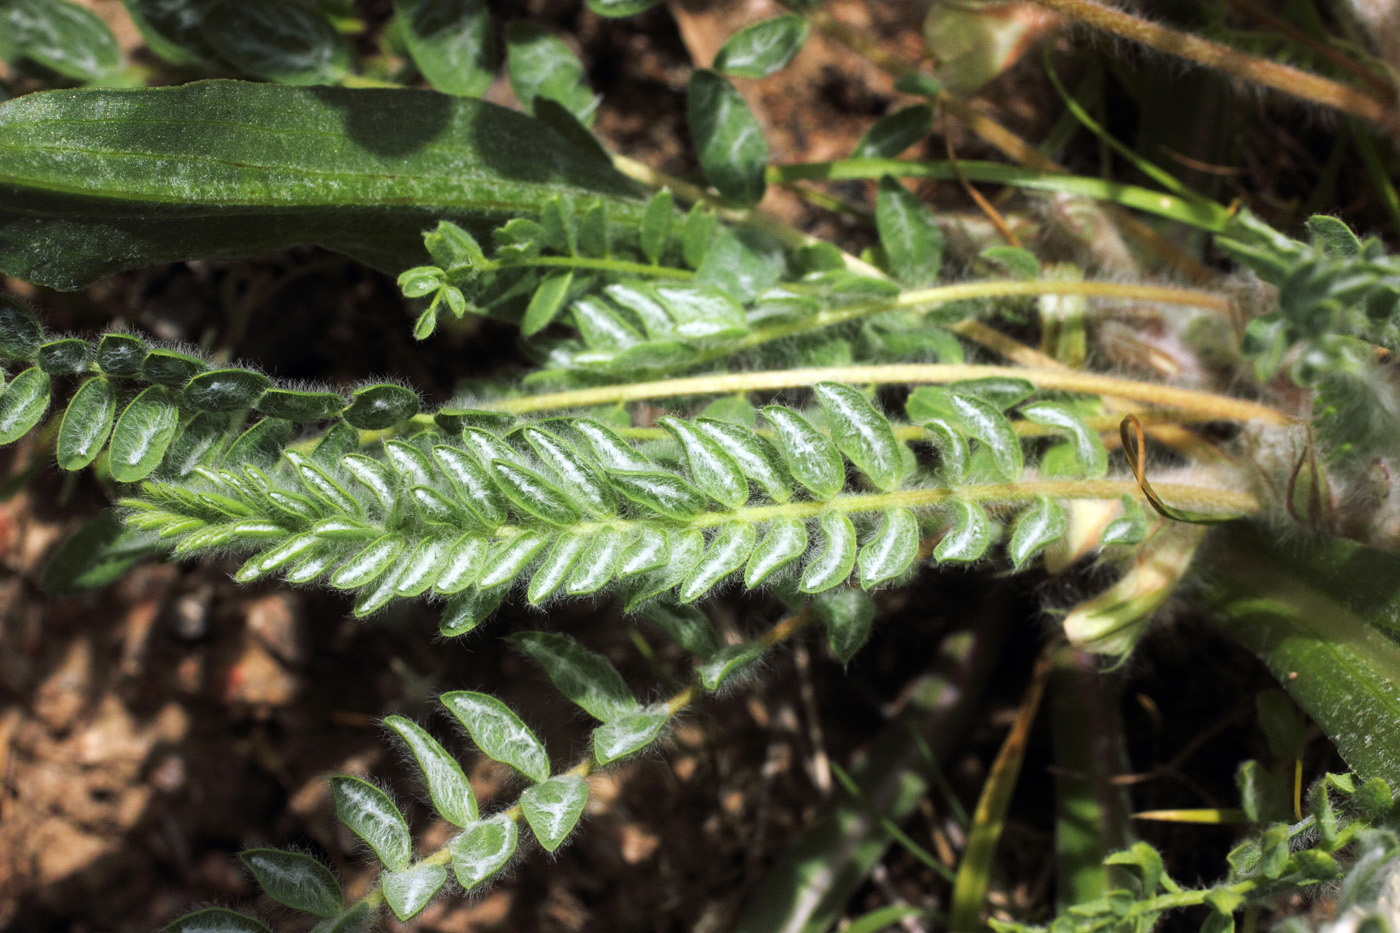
(451, 42)
(499, 732)
(1334, 236)
(759, 50)
(648, 551)
(294, 405)
(410, 890)
(755, 456)
(727, 662)
(371, 815)
(811, 457)
(533, 494)
(911, 239)
(576, 477)
(99, 553)
(687, 626)
(483, 849)
(848, 614)
(277, 41)
(598, 564)
(541, 65)
(261, 445)
(656, 225)
(554, 567)
(585, 677)
(64, 357)
(86, 423)
(1090, 455)
(376, 407)
(894, 133)
(225, 389)
(215, 920)
(142, 435)
(61, 36)
(864, 435)
(728, 139)
(448, 787)
(157, 182)
(297, 880)
(469, 610)
(620, 8)
(970, 535)
(170, 367)
(713, 471)
(20, 331)
(553, 807)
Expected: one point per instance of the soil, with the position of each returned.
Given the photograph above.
(152, 729)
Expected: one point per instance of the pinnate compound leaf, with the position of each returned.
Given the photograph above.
(728, 140)
(499, 732)
(143, 433)
(553, 807)
(483, 849)
(410, 890)
(541, 65)
(837, 557)
(784, 542)
(448, 787)
(629, 734)
(812, 458)
(86, 423)
(376, 407)
(766, 47)
(910, 236)
(299, 881)
(276, 41)
(216, 920)
(397, 157)
(864, 435)
(371, 815)
(585, 677)
(891, 551)
(61, 36)
(895, 132)
(848, 614)
(1035, 528)
(970, 535)
(451, 42)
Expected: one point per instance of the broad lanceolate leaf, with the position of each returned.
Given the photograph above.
(371, 815)
(143, 432)
(1037, 526)
(628, 734)
(848, 613)
(59, 35)
(451, 42)
(448, 787)
(862, 433)
(811, 457)
(553, 808)
(86, 423)
(759, 50)
(585, 677)
(409, 891)
(728, 140)
(297, 880)
(156, 182)
(892, 550)
(483, 849)
(541, 65)
(65, 356)
(546, 302)
(911, 239)
(216, 920)
(894, 133)
(283, 42)
(498, 732)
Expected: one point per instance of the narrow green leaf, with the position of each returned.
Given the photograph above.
(891, 551)
(499, 732)
(698, 233)
(766, 47)
(701, 312)
(300, 406)
(598, 564)
(837, 558)
(299, 881)
(1334, 236)
(533, 494)
(437, 509)
(728, 140)
(418, 569)
(460, 565)
(1002, 392)
(811, 457)
(553, 808)
(315, 480)
(357, 918)
(64, 357)
(554, 567)
(277, 41)
(412, 464)
(754, 455)
(448, 787)
(410, 890)
(170, 367)
(225, 389)
(99, 553)
(376, 407)
(541, 65)
(731, 547)
(371, 815)
(371, 563)
(602, 328)
(201, 441)
(848, 614)
(262, 444)
(469, 610)
(687, 626)
(864, 435)
(687, 547)
(1089, 452)
(594, 238)
(142, 434)
(483, 849)
(1035, 528)
(628, 734)
(316, 563)
(713, 471)
(86, 423)
(611, 451)
(23, 404)
(784, 543)
(475, 488)
(970, 536)
(656, 225)
(451, 42)
(588, 679)
(895, 132)
(215, 920)
(61, 36)
(621, 8)
(276, 557)
(510, 559)
(663, 493)
(727, 662)
(576, 478)
(648, 551)
(546, 302)
(375, 477)
(910, 236)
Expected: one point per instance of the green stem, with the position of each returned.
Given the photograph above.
(617, 266)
